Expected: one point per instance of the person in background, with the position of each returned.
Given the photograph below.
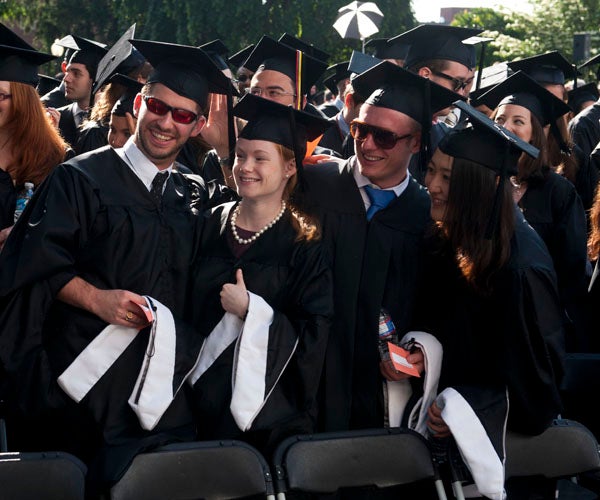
(549, 202)
(122, 117)
(489, 294)
(262, 289)
(30, 146)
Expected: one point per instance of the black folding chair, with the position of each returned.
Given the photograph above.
(47, 475)
(326, 462)
(202, 469)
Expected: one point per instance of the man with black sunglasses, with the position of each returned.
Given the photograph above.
(374, 243)
(107, 229)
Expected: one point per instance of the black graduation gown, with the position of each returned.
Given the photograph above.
(554, 209)
(93, 135)
(512, 338)
(55, 98)
(584, 128)
(587, 177)
(333, 137)
(375, 264)
(8, 200)
(66, 125)
(295, 281)
(93, 218)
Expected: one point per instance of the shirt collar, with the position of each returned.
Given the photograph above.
(362, 181)
(139, 162)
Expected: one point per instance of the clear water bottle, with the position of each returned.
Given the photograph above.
(22, 199)
(387, 333)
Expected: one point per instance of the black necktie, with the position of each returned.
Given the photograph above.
(158, 182)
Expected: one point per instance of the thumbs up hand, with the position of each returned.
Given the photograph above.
(234, 296)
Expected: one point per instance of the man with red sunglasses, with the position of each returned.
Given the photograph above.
(374, 243)
(107, 228)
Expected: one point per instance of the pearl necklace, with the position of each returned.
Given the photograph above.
(243, 241)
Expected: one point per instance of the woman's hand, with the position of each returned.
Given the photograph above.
(234, 297)
(390, 373)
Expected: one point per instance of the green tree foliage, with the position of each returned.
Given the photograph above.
(194, 22)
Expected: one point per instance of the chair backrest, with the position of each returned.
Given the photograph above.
(323, 463)
(202, 469)
(47, 475)
(567, 448)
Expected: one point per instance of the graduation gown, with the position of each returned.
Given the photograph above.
(333, 137)
(66, 124)
(375, 264)
(554, 209)
(93, 135)
(279, 365)
(93, 218)
(8, 200)
(510, 340)
(584, 128)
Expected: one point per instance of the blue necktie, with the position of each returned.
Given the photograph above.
(380, 198)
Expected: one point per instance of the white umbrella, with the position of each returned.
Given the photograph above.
(358, 20)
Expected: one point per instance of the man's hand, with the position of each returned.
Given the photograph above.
(215, 130)
(388, 371)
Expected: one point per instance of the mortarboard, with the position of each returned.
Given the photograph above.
(268, 54)
(270, 121)
(484, 142)
(581, 94)
(238, 59)
(390, 86)
(19, 61)
(438, 41)
(386, 49)
(121, 58)
(551, 68)
(341, 72)
(125, 103)
(307, 48)
(593, 61)
(490, 77)
(86, 52)
(217, 51)
(46, 84)
(361, 62)
(186, 70)
(522, 90)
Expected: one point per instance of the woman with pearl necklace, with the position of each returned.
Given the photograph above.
(262, 289)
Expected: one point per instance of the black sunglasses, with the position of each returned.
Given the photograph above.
(458, 83)
(161, 108)
(384, 139)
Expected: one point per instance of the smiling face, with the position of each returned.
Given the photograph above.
(437, 181)
(386, 167)
(516, 119)
(260, 171)
(160, 138)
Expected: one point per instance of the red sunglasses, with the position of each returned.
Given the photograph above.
(161, 108)
(384, 139)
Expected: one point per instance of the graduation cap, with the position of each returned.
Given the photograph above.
(125, 103)
(472, 42)
(390, 86)
(186, 70)
(121, 58)
(593, 61)
(86, 52)
(307, 48)
(46, 84)
(19, 61)
(488, 78)
(341, 72)
(387, 49)
(438, 41)
(217, 52)
(522, 90)
(269, 54)
(581, 94)
(551, 68)
(270, 121)
(361, 62)
(238, 59)
(484, 142)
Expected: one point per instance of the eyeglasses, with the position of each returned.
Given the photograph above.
(457, 82)
(3, 96)
(161, 108)
(269, 93)
(384, 139)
